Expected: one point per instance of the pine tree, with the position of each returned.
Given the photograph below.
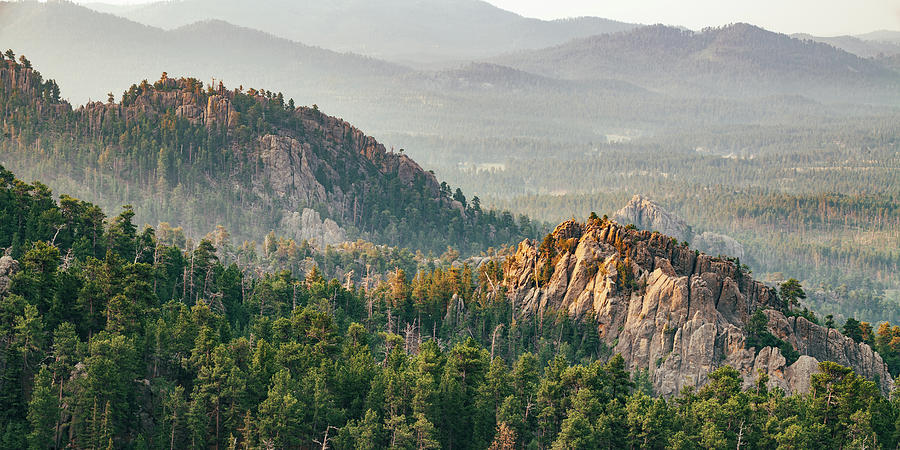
(43, 410)
(852, 329)
(277, 422)
(791, 293)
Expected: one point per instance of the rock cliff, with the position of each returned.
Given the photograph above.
(668, 309)
(309, 225)
(648, 215)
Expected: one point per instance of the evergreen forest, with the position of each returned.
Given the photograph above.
(117, 337)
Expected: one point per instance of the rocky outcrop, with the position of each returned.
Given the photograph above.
(8, 268)
(291, 168)
(828, 344)
(671, 310)
(309, 226)
(648, 215)
(718, 244)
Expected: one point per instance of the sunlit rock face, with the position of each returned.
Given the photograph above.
(670, 310)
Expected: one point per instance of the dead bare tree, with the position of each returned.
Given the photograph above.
(53, 241)
(324, 441)
(494, 339)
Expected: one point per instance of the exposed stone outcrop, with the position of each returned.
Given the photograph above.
(8, 268)
(292, 172)
(648, 215)
(673, 311)
(718, 244)
(309, 225)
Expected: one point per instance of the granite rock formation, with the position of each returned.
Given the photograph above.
(670, 310)
(309, 226)
(648, 215)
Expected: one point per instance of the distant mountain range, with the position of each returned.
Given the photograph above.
(739, 60)
(90, 53)
(881, 35)
(866, 48)
(411, 31)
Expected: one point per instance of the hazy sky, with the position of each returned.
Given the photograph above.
(819, 17)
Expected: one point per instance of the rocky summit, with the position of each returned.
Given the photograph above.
(648, 215)
(673, 311)
(179, 151)
(309, 159)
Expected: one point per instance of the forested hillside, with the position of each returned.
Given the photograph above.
(112, 337)
(250, 160)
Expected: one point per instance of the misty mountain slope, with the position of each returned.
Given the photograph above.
(737, 60)
(402, 30)
(91, 53)
(881, 36)
(852, 44)
(891, 61)
(486, 76)
(205, 156)
(104, 53)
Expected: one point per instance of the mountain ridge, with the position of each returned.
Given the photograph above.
(733, 61)
(881, 35)
(37, 29)
(856, 45)
(249, 160)
(398, 30)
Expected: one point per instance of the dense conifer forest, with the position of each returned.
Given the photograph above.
(119, 337)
